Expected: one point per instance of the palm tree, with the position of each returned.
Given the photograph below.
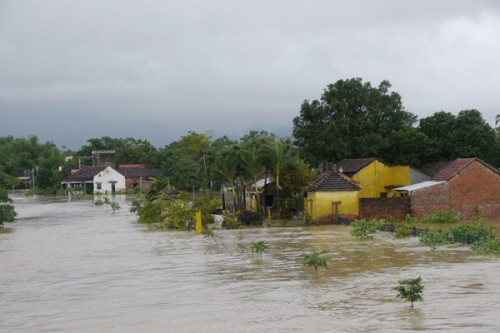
(226, 165)
(252, 163)
(279, 155)
(497, 119)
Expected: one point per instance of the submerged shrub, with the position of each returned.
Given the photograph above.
(316, 259)
(434, 238)
(364, 229)
(488, 246)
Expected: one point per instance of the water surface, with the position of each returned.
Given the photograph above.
(69, 266)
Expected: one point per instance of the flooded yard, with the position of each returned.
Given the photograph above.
(69, 266)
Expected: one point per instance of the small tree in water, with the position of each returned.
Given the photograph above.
(410, 290)
(316, 259)
(260, 247)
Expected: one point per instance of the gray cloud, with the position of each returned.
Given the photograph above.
(73, 70)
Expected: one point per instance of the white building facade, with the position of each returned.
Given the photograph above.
(109, 181)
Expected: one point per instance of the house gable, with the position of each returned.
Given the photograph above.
(108, 181)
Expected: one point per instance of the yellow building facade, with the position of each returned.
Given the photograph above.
(332, 194)
(375, 178)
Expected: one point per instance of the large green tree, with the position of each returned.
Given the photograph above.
(184, 162)
(128, 150)
(465, 135)
(352, 119)
(7, 213)
(27, 156)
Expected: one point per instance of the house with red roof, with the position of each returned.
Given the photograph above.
(332, 194)
(466, 185)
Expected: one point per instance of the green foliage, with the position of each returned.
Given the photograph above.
(364, 229)
(480, 237)
(402, 231)
(410, 290)
(486, 246)
(185, 161)
(128, 150)
(443, 216)
(106, 201)
(178, 214)
(308, 220)
(230, 220)
(209, 232)
(260, 247)
(207, 206)
(7, 212)
(316, 259)
(477, 232)
(39, 162)
(351, 120)
(464, 135)
(436, 238)
(149, 209)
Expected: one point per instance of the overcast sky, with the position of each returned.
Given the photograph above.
(71, 70)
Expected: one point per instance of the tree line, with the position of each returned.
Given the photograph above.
(352, 119)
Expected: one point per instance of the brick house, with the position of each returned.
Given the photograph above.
(464, 185)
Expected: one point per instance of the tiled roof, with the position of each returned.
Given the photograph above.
(84, 174)
(351, 166)
(434, 168)
(458, 165)
(331, 181)
(139, 172)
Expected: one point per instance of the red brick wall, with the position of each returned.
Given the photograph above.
(425, 200)
(476, 186)
(396, 207)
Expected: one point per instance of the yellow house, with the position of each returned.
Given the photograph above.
(332, 194)
(377, 179)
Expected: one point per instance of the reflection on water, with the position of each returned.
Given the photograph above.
(73, 267)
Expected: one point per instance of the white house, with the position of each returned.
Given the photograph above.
(109, 181)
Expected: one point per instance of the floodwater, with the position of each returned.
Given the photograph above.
(69, 266)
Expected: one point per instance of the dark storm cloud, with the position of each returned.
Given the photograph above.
(73, 70)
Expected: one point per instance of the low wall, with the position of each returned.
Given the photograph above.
(376, 208)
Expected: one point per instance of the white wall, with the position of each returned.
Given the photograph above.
(105, 178)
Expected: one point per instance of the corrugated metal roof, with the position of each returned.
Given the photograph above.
(418, 186)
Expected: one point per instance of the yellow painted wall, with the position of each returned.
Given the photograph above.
(320, 203)
(374, 178)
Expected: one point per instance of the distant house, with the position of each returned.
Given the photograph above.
(377, 179)
(82, 180)
(138, 175)
(332, 194)
(106, 180)
(466, 185)
(109, 181)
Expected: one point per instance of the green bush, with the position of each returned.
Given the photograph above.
(443, 216)
(148, 210)
(487, 246)
(402, 231)
(476, 232)
(434, 238)
(364, 229)
(230, 220)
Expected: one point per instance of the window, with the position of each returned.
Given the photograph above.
(99, 186)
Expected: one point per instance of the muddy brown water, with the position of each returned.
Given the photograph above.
(68, 266)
